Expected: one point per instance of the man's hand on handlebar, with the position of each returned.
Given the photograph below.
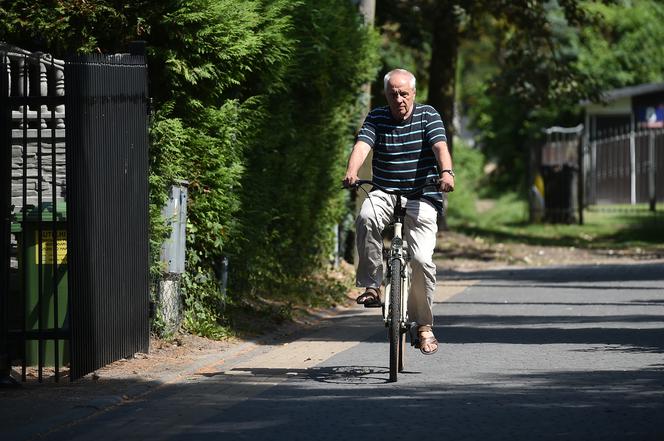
(350, 180)
(443, 184)
(446, 183)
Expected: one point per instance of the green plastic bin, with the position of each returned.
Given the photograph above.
(53, 277)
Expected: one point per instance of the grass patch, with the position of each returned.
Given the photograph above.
(618, 228)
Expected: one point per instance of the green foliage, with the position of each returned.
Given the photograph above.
(530, 83)
(256, 102)
(524, 65)
(203, 306)
(509, 209)
(62, 27)
(205, 51)
(204, 54)
(532, 71)
(395, 54)
(505, 127)
(468, 166)
(624, 46)
(291, 190)
(167, 140)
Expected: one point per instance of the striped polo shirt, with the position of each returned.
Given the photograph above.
(403, 157)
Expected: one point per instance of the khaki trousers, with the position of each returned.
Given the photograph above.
(420, 228)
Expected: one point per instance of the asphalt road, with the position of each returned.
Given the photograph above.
(569, 353)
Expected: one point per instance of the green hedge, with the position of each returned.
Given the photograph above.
(291, 192)
(256, 104)
(263, 166)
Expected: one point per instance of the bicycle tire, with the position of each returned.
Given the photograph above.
(395, 317)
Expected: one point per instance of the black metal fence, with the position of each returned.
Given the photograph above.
(33, 292)
(74, 219)
(107, 170)
(5, 210)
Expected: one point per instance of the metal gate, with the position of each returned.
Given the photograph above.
(107, 171)
(74, 230)
(622, 168)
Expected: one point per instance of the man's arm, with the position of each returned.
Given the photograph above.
(360, 152)
(444, 160)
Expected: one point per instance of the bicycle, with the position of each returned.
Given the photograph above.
(396, 262)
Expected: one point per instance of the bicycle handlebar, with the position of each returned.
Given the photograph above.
(430, 182)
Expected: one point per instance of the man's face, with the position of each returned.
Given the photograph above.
(400, 96)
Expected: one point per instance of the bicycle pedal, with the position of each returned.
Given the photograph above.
(373, 305)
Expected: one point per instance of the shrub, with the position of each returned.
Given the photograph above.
(468, 167)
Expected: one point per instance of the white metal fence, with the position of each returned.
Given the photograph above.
(34, 74)
(571, 171)
(625, 167)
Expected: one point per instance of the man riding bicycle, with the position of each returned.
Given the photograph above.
(409, 147)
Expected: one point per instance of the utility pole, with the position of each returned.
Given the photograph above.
(367, 9)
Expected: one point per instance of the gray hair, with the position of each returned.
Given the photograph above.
(388, 75)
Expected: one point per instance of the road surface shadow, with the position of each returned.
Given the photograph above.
(331, 403)
(652, 271)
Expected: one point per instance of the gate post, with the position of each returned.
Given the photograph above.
(652, 193)
(580, 179)
(5, 227)
(108, 219)
(632, 164)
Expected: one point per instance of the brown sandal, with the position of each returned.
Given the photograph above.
(424, 341)
(370, 298)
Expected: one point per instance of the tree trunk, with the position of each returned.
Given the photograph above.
(442, 70)
(442, 73)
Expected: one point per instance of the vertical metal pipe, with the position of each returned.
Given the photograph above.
(659, 165)
(54, 236)
(72, 274)
(5, 219)
(41, 307)
(652, 192)
(580, 185)
(594, 173)
(23, 87)
(632, 161)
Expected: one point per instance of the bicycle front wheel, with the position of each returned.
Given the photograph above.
(395, 318)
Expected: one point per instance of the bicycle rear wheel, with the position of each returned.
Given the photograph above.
(395, 318)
